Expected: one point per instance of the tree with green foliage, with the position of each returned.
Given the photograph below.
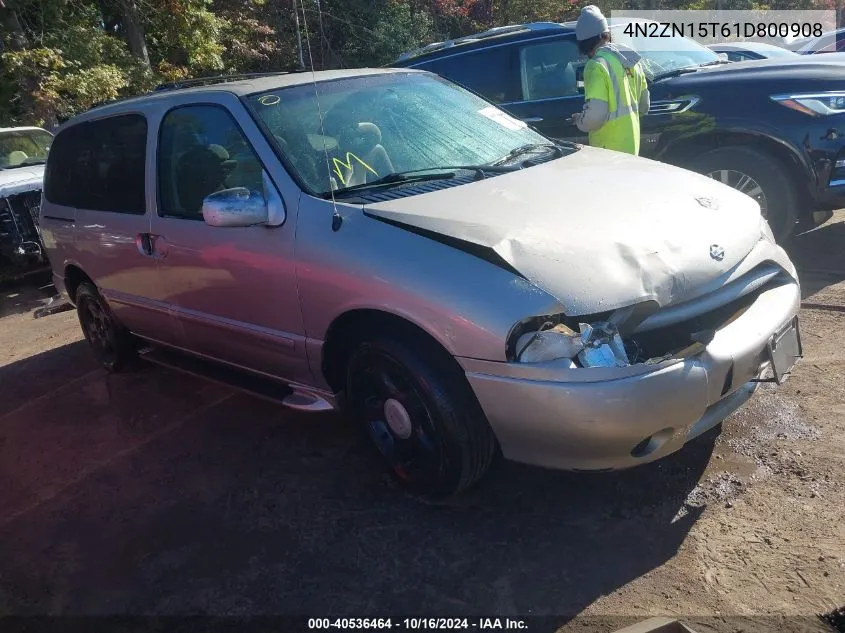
(61, 57)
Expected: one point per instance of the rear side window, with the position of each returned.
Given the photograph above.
(549, 70)
(490, 73)
(99, 165)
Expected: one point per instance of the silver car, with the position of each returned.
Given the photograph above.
(388, 242)
(23, 152)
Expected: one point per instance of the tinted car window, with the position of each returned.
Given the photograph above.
(202, 151)
(99, 165)
(490, 73)
(548, 70)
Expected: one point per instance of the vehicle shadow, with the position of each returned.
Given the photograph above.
(253, 510)
(819, 256)
(38, 375)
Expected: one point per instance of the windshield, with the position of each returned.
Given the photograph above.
(19, 148)
(662, 54)
(382, 124)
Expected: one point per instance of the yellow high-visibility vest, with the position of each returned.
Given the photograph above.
(605, 78)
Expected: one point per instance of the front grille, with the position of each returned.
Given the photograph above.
(19, 217)
(749, 283)
(29, 208)
(679, 335)
(21, 249)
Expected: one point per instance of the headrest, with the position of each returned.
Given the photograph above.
(206, 157)
(370, 132)
(17, 157)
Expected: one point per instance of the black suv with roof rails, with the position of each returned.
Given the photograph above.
(774, 129)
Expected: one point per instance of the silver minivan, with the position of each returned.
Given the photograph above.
(387, 242)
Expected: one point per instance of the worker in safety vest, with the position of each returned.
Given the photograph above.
(615, 87)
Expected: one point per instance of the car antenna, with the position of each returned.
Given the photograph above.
(337, 219)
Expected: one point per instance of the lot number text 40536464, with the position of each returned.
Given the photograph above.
(418, 624)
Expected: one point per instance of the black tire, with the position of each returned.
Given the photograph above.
(113, 346)
(780, 196)
(442, 444)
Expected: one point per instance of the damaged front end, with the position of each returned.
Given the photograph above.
(640, 334)
(21, 249)
(598, 345)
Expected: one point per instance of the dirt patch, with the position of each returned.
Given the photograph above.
(21, 335)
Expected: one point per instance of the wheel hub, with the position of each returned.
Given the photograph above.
(398, 419)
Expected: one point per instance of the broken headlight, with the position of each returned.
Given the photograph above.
(596, 345)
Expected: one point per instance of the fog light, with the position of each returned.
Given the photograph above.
(652, 443)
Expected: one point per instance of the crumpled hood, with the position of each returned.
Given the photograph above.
(20, 179)
(627, 56)
(597, 230)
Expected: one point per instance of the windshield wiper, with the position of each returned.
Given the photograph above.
(676, 72)
(418, 175)
(526, 149)
(688, 69)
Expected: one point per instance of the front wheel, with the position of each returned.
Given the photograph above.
(759, 176)
(414, 403)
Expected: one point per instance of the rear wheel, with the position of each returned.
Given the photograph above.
(759, 176)
(113, 346)
(415, 405)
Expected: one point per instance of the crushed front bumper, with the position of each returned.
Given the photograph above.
(604, 418)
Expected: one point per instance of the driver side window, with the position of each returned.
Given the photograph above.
(550, 70)
(201, 151)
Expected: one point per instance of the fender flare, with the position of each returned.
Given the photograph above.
(745, 128)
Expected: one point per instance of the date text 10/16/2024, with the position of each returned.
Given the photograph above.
(418, 624)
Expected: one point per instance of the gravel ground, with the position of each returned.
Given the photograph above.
(156, 493)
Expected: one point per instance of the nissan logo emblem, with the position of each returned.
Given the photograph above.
(717, 252)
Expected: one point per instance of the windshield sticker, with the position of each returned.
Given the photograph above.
(348, 165)
(269, 100)
(502, 118)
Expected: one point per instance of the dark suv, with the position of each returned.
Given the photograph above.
(774, 129)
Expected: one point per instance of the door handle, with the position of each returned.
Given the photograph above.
(533, 119)
(144, 242)
(150, 245)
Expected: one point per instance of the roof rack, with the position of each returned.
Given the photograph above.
(216, 79)
(497, 31)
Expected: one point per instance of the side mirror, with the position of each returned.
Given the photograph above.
(235, 207)
(723, 57)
